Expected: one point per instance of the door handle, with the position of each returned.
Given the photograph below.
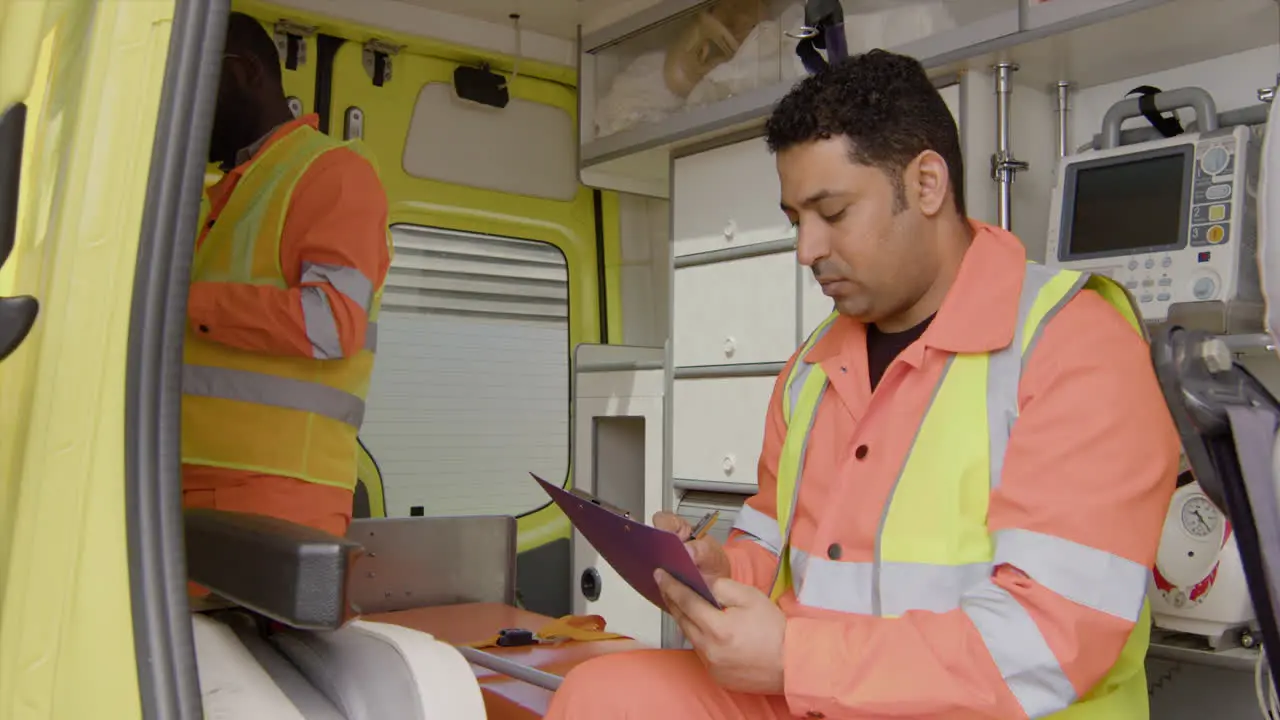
(17, 314)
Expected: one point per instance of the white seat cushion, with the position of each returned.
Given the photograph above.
(233, 686)
(372, 671)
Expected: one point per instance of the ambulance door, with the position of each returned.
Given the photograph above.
(81, 120)
(495, 279)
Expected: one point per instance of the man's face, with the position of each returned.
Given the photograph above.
(853, 229)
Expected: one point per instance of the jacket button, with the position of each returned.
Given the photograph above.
(834, 551)
(861, 452)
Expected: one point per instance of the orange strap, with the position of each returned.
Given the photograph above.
(569, 627)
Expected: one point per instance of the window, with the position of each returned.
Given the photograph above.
(470, 390)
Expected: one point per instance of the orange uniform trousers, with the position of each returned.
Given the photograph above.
(658, 685)
(322, 507)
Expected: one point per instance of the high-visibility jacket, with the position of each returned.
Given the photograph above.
(936, 556)
(290, 416)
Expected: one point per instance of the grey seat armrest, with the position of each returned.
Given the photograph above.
(290, 573)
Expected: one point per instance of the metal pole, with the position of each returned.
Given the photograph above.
(1064, 112)
(1003, 165)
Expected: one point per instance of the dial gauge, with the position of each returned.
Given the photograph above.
(1199, 516)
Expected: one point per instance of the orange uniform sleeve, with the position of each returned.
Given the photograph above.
(754, 542)
(1089, 473)
(334, 255)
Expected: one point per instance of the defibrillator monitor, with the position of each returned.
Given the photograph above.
(1171, 219)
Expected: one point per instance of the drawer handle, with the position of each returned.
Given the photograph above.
(730, 229)
(727, 464)
(730, 347)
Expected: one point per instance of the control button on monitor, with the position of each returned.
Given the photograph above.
(1203, 288)
(1218, 192)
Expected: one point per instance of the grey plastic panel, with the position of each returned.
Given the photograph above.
(426, 561)
(291, 573)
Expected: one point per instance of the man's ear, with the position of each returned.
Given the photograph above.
(929, 179)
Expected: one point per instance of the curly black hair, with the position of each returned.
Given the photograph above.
(884, 104)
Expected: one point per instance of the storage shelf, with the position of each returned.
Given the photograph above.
(1107, 41)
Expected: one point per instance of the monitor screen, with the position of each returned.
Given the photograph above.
(1127, 204)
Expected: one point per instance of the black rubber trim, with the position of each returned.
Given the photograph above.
(377, 468)
(167, 681)
(13, 124)
(597, 199)
(326, 51)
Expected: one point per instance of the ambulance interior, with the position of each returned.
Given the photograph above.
(593, 282)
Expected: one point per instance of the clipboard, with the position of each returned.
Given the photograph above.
(633, 549)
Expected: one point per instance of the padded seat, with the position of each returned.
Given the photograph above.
(364, 671)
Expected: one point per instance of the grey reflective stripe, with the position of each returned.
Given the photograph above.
(371, 337)
(799, 569)
(272, 390)
(1090, 577)
(851, 587)
(1004, 373)
(839, 586)
(346, 280)
(1026, 662)
(322, 327)
(759, 526)
(803, 368)
(1053, 311)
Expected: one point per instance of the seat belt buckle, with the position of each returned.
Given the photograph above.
(516, 637)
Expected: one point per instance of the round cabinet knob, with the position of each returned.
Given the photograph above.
(730, 346)
(730, 229)
(728, 464)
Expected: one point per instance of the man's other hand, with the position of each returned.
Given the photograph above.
(742, 645)
(707, 553)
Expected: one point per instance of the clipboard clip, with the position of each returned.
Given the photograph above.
(584, 495)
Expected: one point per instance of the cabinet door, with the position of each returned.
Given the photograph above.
(736, 312)
(727, 198)
(718, 426)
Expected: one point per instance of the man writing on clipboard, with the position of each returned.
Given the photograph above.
(965, 469)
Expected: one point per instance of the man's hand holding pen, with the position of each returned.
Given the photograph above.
(741, 645)
(707, 553)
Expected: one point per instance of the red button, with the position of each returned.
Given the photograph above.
(861, 452)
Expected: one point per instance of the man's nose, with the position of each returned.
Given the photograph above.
(811, 245)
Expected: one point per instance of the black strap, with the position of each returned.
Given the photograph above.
(827, 17)
(1167, 125)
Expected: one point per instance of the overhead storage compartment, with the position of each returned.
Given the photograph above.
(684, 72)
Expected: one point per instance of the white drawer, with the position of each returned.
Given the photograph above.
(718, 426)
(735, 312)
(814, 305)
(726, 197)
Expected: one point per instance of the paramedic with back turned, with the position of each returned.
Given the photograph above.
(980, 455)
(287, 277)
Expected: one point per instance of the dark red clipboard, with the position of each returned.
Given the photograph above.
(634, 550)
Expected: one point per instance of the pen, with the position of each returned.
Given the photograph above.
(704, 525)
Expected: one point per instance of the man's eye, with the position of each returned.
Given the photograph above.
(834, 218)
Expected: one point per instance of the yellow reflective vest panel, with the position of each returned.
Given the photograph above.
(935, 556)
(293, 416)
